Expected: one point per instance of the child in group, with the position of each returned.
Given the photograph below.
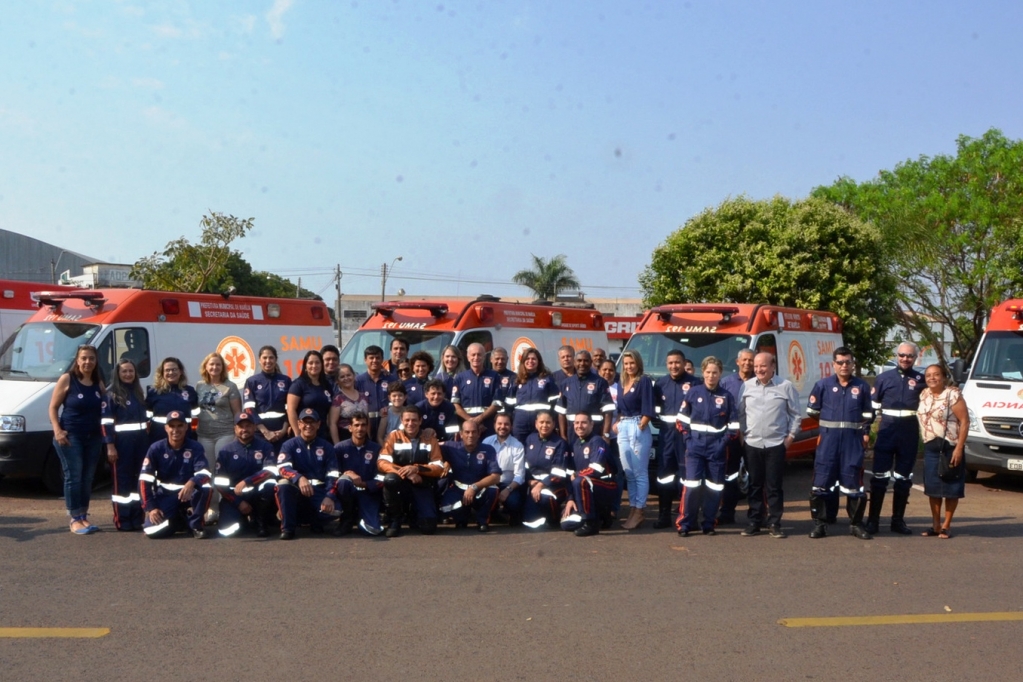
(396, 394)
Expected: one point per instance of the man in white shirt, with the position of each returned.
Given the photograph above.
(770, 419)
(511, 457)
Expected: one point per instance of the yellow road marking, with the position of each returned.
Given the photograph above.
(53, 632)
(906, 619)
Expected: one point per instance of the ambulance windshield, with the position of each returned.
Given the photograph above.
(1000, 357)
(653, 348)
(431, 342)
(42, 351)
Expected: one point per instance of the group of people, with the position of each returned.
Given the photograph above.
(404, 445)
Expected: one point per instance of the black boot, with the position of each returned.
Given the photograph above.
(874, 513)
(588, 528)
(900, 499)
(856, 507)
(819, 514)
(831, 507)
(663, 511)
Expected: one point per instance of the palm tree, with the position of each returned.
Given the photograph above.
(547, 277)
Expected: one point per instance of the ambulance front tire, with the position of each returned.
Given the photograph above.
(53, 474)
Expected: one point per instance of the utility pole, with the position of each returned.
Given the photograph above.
(337, 303)
(298, 288)
(383, 278)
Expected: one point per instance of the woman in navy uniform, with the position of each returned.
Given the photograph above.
(77, 435)
(534, 392)
(548, 469)
(170, 392)
(266, 395)
(708, 420)
(311, 390)
(125, 432)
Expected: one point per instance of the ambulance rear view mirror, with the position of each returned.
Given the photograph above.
(958, 370)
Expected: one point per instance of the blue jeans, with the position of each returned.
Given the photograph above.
(78, 460)
(634, 449)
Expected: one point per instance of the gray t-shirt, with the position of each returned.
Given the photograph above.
(216, 418)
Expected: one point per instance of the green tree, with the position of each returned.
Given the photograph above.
(806, 254)
(184, 266)
(953, 226)
(547, 277)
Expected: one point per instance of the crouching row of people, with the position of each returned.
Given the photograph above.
(412, 478)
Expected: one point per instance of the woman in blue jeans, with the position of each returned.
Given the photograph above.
(635, 410)
(75, 415)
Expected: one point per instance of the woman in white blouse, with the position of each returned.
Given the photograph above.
(944, 421)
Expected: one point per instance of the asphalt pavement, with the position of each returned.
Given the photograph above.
(515, 604)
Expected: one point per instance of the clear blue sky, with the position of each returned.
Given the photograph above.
(464, 136)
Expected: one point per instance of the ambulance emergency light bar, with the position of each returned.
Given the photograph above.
(388, 309)
(55, 299)
(665, 312)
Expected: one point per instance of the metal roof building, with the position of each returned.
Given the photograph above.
(31, 260)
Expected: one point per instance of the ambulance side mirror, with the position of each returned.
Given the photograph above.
(959, 370)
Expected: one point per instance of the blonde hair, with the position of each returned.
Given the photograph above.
(711, 360)
(635, 358)
(206, 375)
(161, 385)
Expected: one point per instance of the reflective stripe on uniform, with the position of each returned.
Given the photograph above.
(475, 410)
(230, 530)
(270, 415)
(533, 407)
(715, 486)
(221, 480)
(707, 428)
(897, 413)
(667, 479)
(150, 530)
(148, 478)
(572, 518)
(130, 427)
(535, 524)
(827, 424)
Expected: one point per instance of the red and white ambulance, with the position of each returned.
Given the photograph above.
(801, 340)
(144, 326)
(994, 394)
(432, 325)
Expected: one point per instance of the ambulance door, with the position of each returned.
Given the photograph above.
(126, 343)
(768, 343)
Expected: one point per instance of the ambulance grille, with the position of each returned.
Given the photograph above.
(1005, 427)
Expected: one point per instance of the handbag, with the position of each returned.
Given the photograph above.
(946, 472)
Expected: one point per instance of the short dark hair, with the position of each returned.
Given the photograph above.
(359, 416)
(396, 387)
(411, 409)
(422, 356)
(403, 342)
(675, 351)
(435, 383)
(330, 348)
(842, 350)
(373, 350)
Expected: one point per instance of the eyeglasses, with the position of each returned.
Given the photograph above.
(843, 362)
(908, 356)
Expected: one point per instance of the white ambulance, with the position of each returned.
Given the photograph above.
(994, 395)
(432, 325)
(802, 340)
(17, 304)
(144, 326)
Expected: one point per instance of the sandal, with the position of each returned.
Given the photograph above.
(944, 534)
(930, 533)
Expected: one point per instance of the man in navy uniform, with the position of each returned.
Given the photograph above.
(669, 392)
(175, 482)
(438, 413)
(472, 485)
(896, 395)
(593, 482)
(584, 392)
(308, 469)
(841, 403)
(359, 487)
(733, 384)
(476, 392)
(245, 477)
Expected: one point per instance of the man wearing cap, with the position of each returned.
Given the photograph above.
(308, 470)
(245, 477)
(359, 488)
(175, 482)
(474, 477)
(411, 464)
(593, 482)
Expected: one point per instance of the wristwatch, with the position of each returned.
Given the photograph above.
(474, 488)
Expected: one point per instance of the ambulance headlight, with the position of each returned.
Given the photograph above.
(12, 424)
(974, 422)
